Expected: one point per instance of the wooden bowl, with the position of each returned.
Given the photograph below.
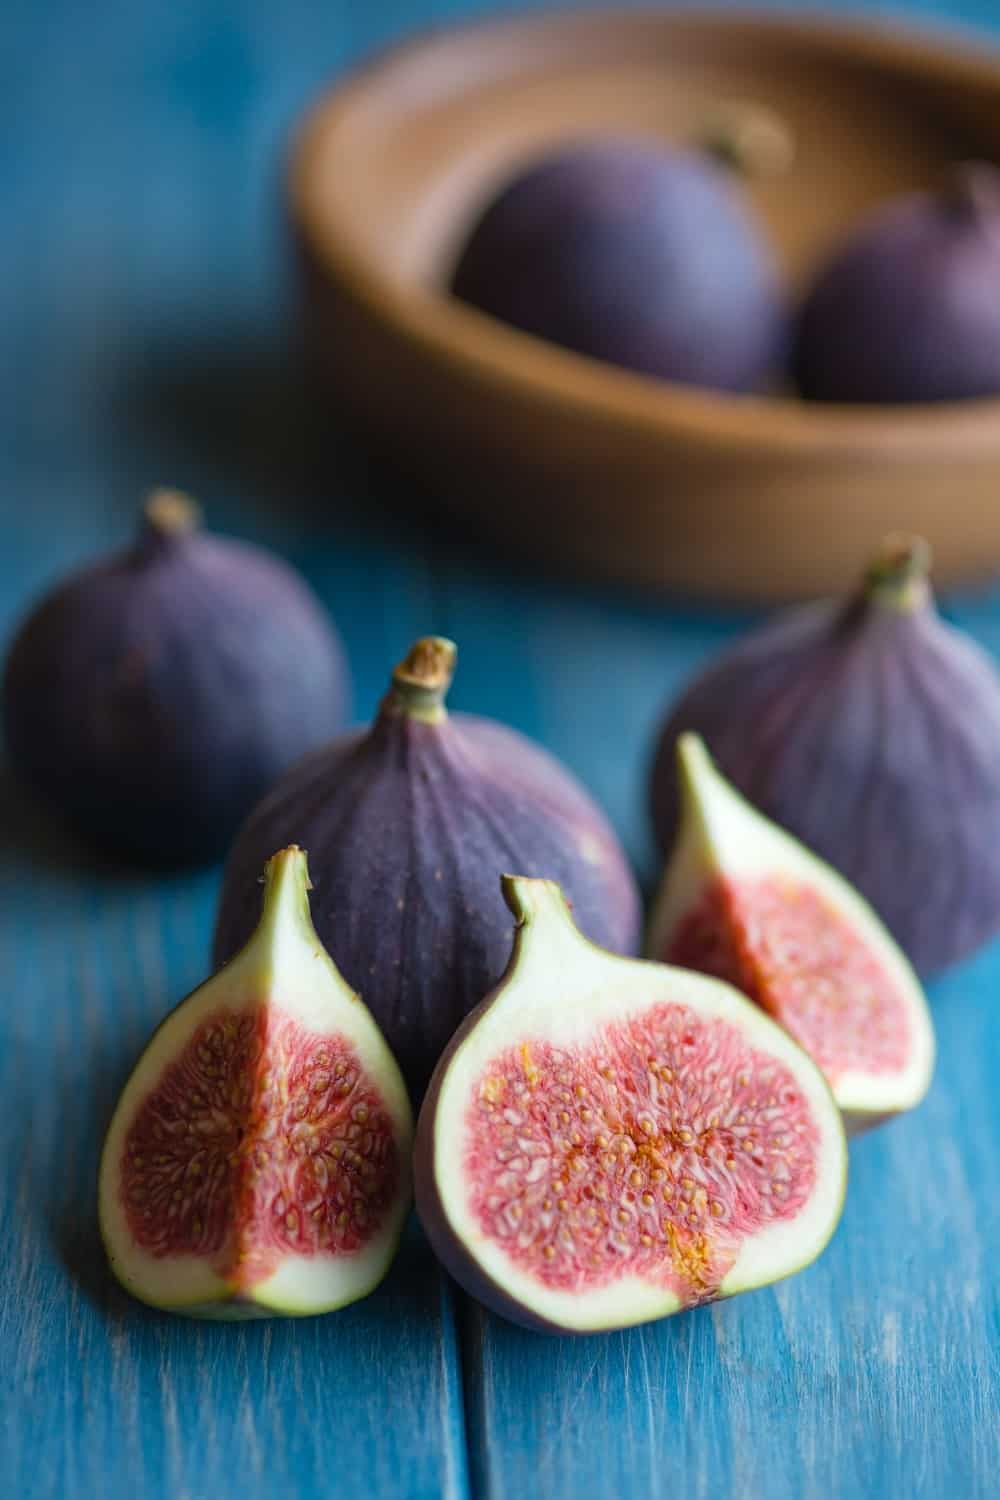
(587, 465)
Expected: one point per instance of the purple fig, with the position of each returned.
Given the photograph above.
(156, 694)
(634, 253)
(870, 729)
(909, 308)
(409, 825)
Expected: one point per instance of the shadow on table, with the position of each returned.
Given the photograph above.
(32, 834)
(231, 416)
(29, 832)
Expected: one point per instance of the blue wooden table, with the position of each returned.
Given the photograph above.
(142, 309)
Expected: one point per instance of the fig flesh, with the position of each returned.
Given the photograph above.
(634, 253)
(870, 729)
(744, 901)
(606, 1142)
(908, 309)
(259, 1159)
(156, 694)
(409, 825)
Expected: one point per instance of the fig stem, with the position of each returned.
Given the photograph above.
(286, 886)
(749, 139)
(528, 897)
(421, 681)
(973, 188)
(898, 574)
(170, 513)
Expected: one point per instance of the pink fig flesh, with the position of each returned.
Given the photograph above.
(258, 1161)
(605, 1141)
(652, 1151)
(261, 1140)
(780, 943)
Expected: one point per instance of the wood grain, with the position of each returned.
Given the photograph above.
(141, 302)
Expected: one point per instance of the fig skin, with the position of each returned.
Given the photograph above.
(908, 309)
(154, 695)
(870, 729)
(637, 254)
(409, 824)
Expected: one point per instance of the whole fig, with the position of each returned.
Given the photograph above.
(909, 308)
(634, 253)
(152, 697)
(870, 729)
(409, 826)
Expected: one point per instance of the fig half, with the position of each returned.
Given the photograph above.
(259, 1158)
(607, 1141)
(869, 728)
(743, 900)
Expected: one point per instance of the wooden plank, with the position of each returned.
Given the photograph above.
(875, 1372)
(140, 301)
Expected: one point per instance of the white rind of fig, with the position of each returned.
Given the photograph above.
(561, 989)
(285, 966)
(722, 836)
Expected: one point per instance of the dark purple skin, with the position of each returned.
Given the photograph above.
(637, 254)
(909, 309)
(154, 696)
(408, 827)
(872, 732)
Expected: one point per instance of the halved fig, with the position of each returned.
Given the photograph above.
(607, 1141)
(259, 1159)
(743, 900)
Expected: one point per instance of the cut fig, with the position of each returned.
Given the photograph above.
(607, 1141)
(258, 1161)
(744, 901)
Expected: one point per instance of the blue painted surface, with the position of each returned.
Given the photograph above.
(141, 309)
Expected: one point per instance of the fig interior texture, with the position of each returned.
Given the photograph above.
(154, 695)
(870, 729)
(409, 825)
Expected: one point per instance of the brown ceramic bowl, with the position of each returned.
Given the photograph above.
(579, 462)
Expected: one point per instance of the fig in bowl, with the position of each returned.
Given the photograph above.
(629, 251)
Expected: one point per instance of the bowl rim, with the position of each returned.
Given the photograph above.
(479, 348)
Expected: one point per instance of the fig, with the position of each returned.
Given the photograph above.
(155, 695)
(259, 1159)
(606, 1141)
(744, 901)
(870, 729)
(409, 825)
(632, 252)
(908, 309)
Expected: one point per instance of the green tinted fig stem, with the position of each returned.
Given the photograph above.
(528, 898)
(421, 681)
(169, 515)
(286, 888)
(897, 577)
(748, 139)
